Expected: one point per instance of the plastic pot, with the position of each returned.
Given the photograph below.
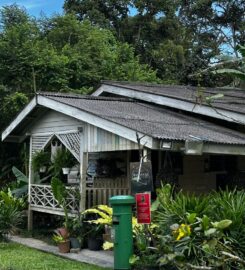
(75, 243)
(95, 243)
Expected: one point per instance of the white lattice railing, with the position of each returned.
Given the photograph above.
(41, 196)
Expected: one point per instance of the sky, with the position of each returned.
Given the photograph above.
(36, 7)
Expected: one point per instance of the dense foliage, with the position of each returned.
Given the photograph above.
(175, 37)
(193, 232)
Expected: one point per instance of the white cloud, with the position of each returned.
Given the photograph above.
(28, 4)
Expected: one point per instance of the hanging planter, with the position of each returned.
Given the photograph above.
(40, 160)
(63, 161)
(65, 170)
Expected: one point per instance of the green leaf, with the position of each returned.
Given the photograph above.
(59, 190)
(205, 222)
(210, 232)
(191, 217)
(155, 205)
(236, 73)
(211, 98)
(223, 224)
(19, 175)
(133, 259)
(212, 243)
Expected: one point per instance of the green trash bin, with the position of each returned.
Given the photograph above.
(122, 230)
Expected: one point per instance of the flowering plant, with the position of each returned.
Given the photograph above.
(195, 244)
(103, 211)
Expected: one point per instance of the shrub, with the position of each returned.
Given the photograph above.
(11, 214)
(200, 232)
(230, 204)
(172, 207)
(199, 244)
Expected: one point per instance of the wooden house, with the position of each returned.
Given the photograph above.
(108, 133)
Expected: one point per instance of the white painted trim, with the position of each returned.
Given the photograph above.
(52, 133)
(98, 92)
(95, 120)
(173, 102)
(30, 171)
(30, 216)
(50, 211)
(19, 118)
(224, 149)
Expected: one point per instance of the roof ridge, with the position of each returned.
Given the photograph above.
(81, 96)
(186, 87)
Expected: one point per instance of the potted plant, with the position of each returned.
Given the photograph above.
(40, 160)
(62, 242)
(63, 161)
(76, 230)
(60, 195)
(95, 239)
(103, 214)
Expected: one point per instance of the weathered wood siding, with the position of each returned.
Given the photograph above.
(100, 140)
(55, 122)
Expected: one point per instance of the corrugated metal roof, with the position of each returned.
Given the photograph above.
(151, 120)
(233, 100)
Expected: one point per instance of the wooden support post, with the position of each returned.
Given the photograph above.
(30, 212)
(83, 166)
(30, 219)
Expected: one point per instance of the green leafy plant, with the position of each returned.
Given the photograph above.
(8, 198)
(11, 214)
(202, 243)
(40, 159)
(171, 207)
(200, 232)
(23, 181)
(62, 159)
(58, 238)
(60, 195)
(103, 212)
(145, 240)
(230, 204)
(76, 227)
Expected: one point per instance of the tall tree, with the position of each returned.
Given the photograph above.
(106, 13)
(199, 29)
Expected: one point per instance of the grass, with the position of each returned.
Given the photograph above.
(18, 257)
